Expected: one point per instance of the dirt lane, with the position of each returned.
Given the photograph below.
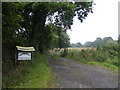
(70, 74)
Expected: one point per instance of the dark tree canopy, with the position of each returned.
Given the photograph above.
(24, 23)
(78, 44)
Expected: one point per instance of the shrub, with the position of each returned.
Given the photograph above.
(105, 53)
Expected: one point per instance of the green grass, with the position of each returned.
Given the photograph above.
(55, 57)
(104, 64)
(36, 75)
(101, 57)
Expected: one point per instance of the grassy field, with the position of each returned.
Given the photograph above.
(102, 56)
(33, 74)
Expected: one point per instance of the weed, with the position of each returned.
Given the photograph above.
(33, 74)
(105, 56)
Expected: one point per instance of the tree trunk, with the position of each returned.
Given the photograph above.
(37, 34)
(65, 51)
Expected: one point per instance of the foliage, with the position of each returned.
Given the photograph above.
(111, 66)
(100, 42)
(72, 45)
(111, 43)
(11, 18)
(31, 74)
(97, 42)
(64, 40)
(106, 53)
(55, 57)
(88, 44)
(57, 37)
(78, 44)
(25, 23)
(53, 36)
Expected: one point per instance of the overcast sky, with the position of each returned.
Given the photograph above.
(102, 23)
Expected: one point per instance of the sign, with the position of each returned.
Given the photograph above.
(24, 55)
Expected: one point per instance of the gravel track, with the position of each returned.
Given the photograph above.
(70, 74)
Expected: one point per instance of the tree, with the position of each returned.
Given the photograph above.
(78, 44)
(106, 39)
(72, 45)
(111, 43)
(52, 36)
(11, 18)
(62, 16)
(97, 42)
(88, 44)
(28, 22)
(24, 23)
(64, 40)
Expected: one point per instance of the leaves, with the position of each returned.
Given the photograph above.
(25, 22)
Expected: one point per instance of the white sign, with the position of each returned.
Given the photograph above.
(24, 55)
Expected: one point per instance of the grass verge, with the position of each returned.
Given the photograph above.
(102, 56)
(36, 74)
(102, 64)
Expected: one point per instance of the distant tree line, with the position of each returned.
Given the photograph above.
(97, 42)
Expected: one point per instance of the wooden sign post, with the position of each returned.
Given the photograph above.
(23, 53)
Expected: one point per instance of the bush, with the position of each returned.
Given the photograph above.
(105, 53)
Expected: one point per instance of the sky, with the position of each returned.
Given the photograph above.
(103, 22)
